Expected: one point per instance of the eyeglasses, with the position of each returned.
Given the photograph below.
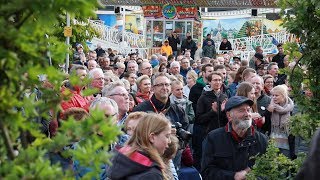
(101, 78)
(110, 115)
(148, 68)
(162, 84)
(216, 80)
(120, 94)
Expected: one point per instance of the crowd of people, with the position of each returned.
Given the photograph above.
(183, 117)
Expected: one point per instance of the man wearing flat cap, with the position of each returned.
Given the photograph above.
(228, 151)
(257, 61)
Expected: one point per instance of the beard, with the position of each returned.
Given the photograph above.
(242, 124)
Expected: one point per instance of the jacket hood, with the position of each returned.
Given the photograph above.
(124, 166)
(200, 81)
(207, 88)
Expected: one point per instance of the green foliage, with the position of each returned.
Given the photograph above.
(274, 166)
(23, 56)
(304, 23)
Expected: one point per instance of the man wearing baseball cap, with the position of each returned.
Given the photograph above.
(228, 151)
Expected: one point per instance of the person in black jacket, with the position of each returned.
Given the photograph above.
(279, 57)
(229, 151)
(160, 102)
(196, 90)
(225, 45)
(141, 157)
(189, 45)
(210, 113)
(173, 42)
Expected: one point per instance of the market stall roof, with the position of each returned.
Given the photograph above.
(200, 3)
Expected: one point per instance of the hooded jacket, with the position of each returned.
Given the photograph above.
(136, 167)
(195, 92)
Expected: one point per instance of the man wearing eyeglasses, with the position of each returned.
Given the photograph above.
(120, 95)
(228, 151)
(160, 102)
(97, 77)
(145, 68)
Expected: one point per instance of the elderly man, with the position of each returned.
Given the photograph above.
(263, 102)
(92, 64)
(107, 105)
(132, 66)
(145, 68)
(175, 68)
(97, 79)
(120, 95)
(228, 151)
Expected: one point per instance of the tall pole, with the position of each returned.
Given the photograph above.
(124, 22)
(68, 43)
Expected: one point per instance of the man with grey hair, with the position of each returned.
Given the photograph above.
(97, 77)
(227, 151)
(145, 68)
(92, 64)
(263, 102)
(120, 95)
(110, 109)
(175, 68)
(132, 66)
(107, 105)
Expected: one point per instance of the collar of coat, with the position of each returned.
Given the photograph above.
(235, 136)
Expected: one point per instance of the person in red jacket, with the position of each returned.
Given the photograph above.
(76, 98)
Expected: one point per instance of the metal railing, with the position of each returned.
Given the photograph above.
(115, 36)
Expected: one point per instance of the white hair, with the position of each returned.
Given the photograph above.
(108, 89)
(174, 64)
(94, 71)
(97, 102)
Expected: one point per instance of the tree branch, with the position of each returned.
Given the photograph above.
(23, 20)
(7, 140)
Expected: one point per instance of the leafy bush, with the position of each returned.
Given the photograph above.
(24, 150)
(273, 165)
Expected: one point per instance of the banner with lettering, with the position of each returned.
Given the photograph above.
(170, 11)
(184, 12)
(152, 11)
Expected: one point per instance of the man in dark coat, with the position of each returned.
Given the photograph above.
(173, 42)
(210, 113)
(196, 90)
(160, 102)
(225, 45)
(189, 45)
(279, 57)
(228, 151)
(311, 166)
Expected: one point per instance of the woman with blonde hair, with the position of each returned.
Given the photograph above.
(192, 77)
(281, 105)
(141, 157)
(144, 89)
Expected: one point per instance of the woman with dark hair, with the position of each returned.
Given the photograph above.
(236, 81)
(163, 68)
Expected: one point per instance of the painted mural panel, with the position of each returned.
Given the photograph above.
(243, 27)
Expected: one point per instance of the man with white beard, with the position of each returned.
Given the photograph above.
(228, 151)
